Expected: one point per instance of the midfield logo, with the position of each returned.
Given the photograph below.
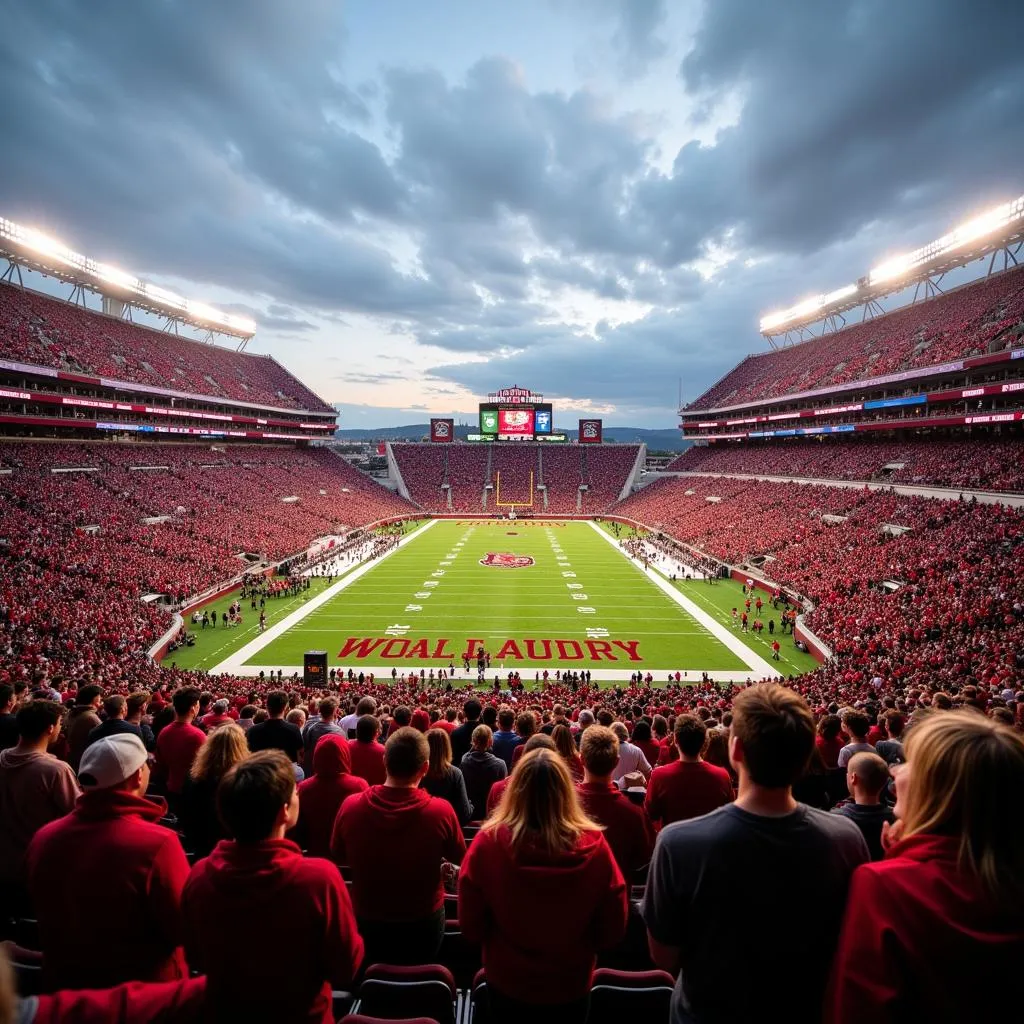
(506, 560)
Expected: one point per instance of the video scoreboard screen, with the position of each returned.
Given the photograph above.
(515, 414)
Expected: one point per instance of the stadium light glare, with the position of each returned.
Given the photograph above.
(970, 231)
(56, 251)
(114, 275)
(806, 307)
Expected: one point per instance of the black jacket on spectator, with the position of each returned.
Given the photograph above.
(481, 770)
(451, 787)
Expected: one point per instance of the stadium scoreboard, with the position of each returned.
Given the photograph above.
(516, 414)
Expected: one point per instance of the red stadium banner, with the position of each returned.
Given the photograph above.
(442, 430)
(590, 431)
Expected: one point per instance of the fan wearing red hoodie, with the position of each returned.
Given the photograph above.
(179, 742)
(627, 829)
(395, 839)
(367, 754)
(540, 849)
(935, 931)
(272, 930)
(690, 787)
(320, 796)
(111, 846)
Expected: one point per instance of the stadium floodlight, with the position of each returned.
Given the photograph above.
(113, 275)
(977, 227)
(52, 251)
(805, 308)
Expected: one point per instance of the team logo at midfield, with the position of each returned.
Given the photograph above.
(506, 560)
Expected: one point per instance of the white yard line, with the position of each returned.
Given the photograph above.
(235, 663)
(758, 666)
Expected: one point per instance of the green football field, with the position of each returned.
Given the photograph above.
(535, 595)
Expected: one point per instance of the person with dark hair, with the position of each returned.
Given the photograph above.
(136, 708)
(857, 726)
(462, 735)
(318, 727)
(178, 743)
(829, 740)
(35, 787)
(275, 733)
(395, 839)
(329, 785)
(81, 721)
(935, 931)
(443, 779)
(481, 769)
(366, 753)
(687, 787)
(890, 749)
(540, 849)
(506, 739)
(627, 829)
(134, 932)
(642, 738)
(8, 720)
(256, 885)
(115, 708)
(765, 878)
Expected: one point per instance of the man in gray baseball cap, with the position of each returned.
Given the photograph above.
(124, 873)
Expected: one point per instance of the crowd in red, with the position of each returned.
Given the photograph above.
(980, 463)
(43, 331)
(76, 556)
(561, 469)
(941, 600)
(973, 320)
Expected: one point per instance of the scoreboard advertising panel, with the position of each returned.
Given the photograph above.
(590, 431)
(515, 414)
(442, 430)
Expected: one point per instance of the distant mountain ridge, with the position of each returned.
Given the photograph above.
(665, 439)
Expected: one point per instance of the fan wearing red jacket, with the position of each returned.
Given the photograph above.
(540, 849)
(689, 787)
(273, 931)
(935, 931)
(106, 880)
(395, 838)
(626, 828)
(321, 795)
(366, 753)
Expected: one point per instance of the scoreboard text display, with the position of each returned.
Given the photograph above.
(516, 414)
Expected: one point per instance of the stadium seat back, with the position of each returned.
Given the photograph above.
(617, 996)
(394, 993)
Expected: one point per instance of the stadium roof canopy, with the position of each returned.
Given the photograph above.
(121, 291)
(997, 231)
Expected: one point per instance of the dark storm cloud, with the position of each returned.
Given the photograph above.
(225, 143)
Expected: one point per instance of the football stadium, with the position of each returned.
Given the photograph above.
(513, 720)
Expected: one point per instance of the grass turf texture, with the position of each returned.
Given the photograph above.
(433, 598)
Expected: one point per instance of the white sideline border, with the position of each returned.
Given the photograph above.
(757, 665)
(235, 663)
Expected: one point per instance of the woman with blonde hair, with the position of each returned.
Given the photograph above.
(936, 930)
(566, 746)
(540, 849)
(222, 750)
(443, 779)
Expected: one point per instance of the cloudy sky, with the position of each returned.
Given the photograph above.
(423, 200)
